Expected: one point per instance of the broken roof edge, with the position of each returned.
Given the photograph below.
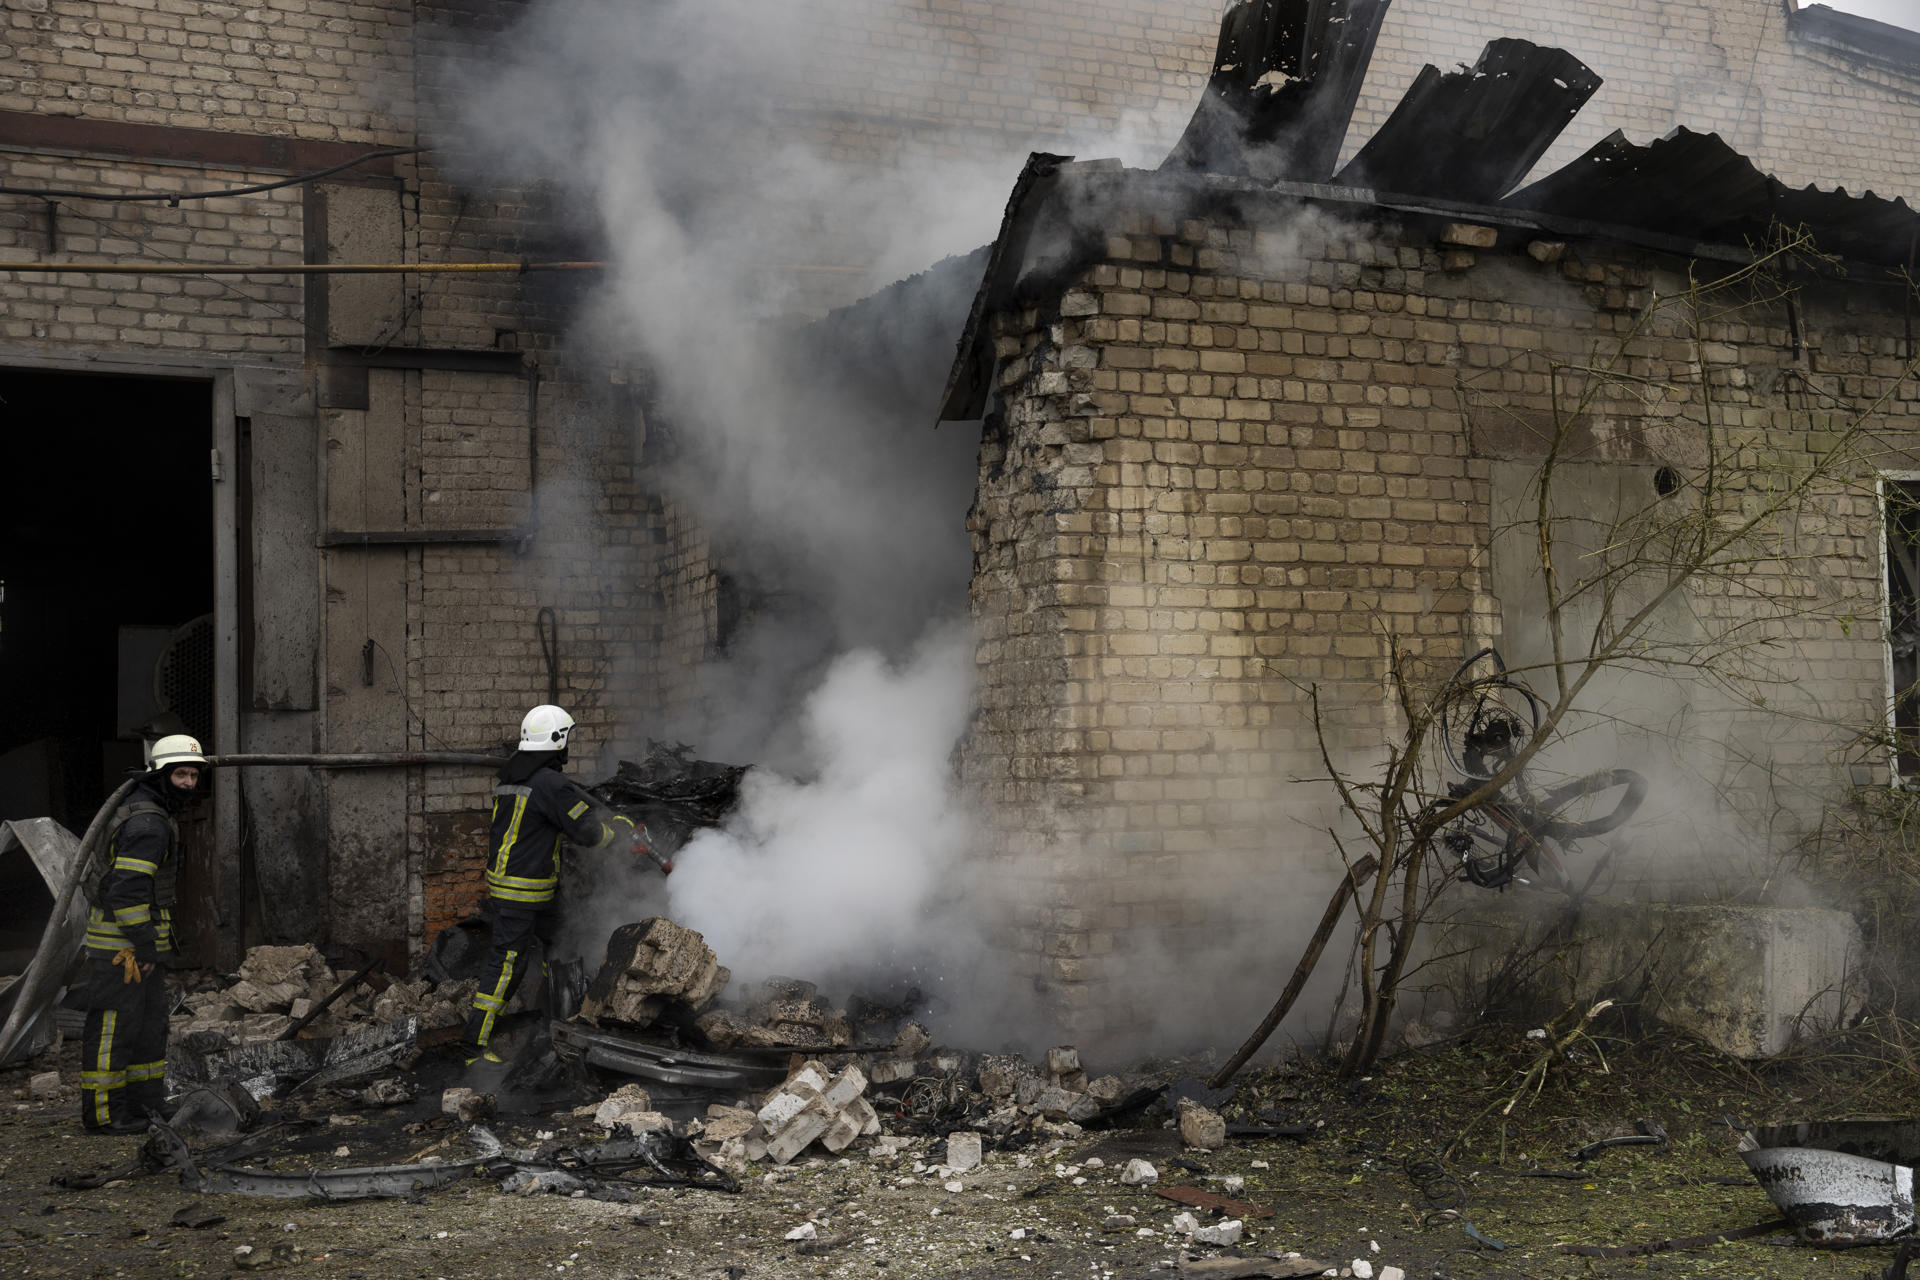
(1088, 191)
(1855, 35)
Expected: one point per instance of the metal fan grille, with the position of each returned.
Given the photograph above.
(183, 678)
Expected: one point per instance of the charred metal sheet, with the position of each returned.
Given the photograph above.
(52, 849)
(1688, 184)
(1473, 134)
(261, 1066)
(374, 1182)
(1694, 186)
(353, 1057)
(1833, 1198)
(1285, 77)
(631, 1055)
(672, 1161)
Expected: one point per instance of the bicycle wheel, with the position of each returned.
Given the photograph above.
(1485, 720)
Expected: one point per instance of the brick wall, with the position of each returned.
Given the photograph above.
(1238, 459)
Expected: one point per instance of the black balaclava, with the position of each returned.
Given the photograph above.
(160, 782)
(522, 765)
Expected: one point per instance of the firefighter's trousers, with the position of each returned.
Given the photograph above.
(517, 930)
(123, 1054)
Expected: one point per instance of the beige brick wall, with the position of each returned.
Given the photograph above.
(1236, 457)
(323, 69)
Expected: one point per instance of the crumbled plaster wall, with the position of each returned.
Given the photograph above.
(1234, 457)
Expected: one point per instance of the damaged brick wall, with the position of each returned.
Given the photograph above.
(1236, 454)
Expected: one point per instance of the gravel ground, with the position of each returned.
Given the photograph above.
(1356, 1190)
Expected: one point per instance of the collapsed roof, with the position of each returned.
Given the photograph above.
(1274, 116)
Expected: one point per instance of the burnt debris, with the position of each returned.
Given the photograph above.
(671, 794)
(1286, 75)
(1474, 133)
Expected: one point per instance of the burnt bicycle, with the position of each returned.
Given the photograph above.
(1487, 717)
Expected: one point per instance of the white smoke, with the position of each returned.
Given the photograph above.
(855, 866)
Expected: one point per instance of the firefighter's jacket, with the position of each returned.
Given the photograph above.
(531, 820)
(133, 892)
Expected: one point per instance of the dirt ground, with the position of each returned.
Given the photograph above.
(1411, 1168)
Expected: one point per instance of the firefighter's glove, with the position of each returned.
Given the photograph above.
(128, 964)
(625, 829)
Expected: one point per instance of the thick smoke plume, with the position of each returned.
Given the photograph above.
(692, 140)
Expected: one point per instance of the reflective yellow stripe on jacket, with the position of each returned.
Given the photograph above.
(104, 932)
(525, 889)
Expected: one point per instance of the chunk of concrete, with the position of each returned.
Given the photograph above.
(891, 1071)
(798, 1133)
(1055, 1103)
(630, 1105)
(271, 965)
(648, 964)
(1200, 1127)
(963, 1151)
(846, 1086)
(1221, 1234)
(468, 1106)
(910, 1040)
(842, 1132)
(724, 1122)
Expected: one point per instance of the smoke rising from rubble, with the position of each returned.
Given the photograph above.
(673, 132)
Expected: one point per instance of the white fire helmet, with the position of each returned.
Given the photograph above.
(545, 729)
(176, 749)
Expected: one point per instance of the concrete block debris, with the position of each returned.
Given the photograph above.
(963, 1151)
(650, 964)
(629, 1105)
(814, 1105)
(279, 985)
(468, 1106)
(1201, 1127)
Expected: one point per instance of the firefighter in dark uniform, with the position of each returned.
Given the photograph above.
(535, 810)
(123, 1057)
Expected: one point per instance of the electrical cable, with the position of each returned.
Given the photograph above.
(401, 689)
(174, 198)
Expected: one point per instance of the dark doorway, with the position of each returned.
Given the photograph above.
(106, 556)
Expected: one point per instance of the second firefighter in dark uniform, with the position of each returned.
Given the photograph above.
(123, 1052)
(535, 810)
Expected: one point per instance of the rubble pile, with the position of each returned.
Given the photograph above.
(278, 986)
(811, 1106)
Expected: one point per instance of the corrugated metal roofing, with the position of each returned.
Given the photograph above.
(1286, 74)
(1694, 186)
(1472, 134)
